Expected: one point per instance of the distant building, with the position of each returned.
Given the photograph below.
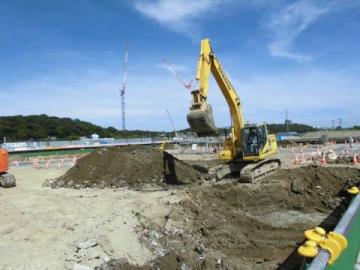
(283, 136)
(94, 136)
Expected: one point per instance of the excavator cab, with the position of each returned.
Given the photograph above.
(254, 138)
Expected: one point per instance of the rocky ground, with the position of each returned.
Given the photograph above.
(226, 225)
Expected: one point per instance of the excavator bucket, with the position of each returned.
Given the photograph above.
(202, 122)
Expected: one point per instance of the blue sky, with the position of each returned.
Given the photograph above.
(65, 58)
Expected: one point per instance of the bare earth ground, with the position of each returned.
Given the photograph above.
(41, 227)
(200, 225)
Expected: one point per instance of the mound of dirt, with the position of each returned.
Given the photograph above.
(228, 225)
(132, 166)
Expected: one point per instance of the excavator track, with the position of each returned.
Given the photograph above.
(248, 172)
(255, 171)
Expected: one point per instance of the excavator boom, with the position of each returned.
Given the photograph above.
(200, 117)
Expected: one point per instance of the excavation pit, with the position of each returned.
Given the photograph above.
(227, 225)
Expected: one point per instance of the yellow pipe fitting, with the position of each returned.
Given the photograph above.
(353, 190)
(333, 242)
(316, 234)
(333, 247)
(309, 249)
(338, 238)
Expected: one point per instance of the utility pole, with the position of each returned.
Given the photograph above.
(123, 89)
(340, 123)
(286, 121)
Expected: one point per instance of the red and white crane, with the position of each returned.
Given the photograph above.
(176, 74)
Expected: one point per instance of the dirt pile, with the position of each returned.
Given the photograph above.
(133, 166)
(227, 225)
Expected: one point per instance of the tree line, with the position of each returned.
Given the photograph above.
(43, 127)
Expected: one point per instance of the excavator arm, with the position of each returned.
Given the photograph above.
(200, 117)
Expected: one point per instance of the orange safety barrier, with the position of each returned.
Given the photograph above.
(4, 161)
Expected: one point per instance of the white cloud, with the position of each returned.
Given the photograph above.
(95, 97)
(179, 15)
(290, 22)
(314, 97)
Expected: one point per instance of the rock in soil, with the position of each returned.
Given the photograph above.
(7, 180)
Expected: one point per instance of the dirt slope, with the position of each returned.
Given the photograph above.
(133, 166)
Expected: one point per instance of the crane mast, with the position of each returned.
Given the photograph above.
(123, 89)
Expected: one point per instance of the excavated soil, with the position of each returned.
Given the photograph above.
(227, 225)
(220, 225)
(130, 166)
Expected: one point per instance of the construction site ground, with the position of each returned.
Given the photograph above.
(191, 223)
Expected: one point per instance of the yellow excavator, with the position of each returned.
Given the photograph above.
(249, 148)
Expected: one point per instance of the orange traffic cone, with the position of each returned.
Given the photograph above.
(323, 160)
(355, 160)
(296, 160)
(16, 163)
(74, 161)
(48, 164)
(318, 152)
(302, 155)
